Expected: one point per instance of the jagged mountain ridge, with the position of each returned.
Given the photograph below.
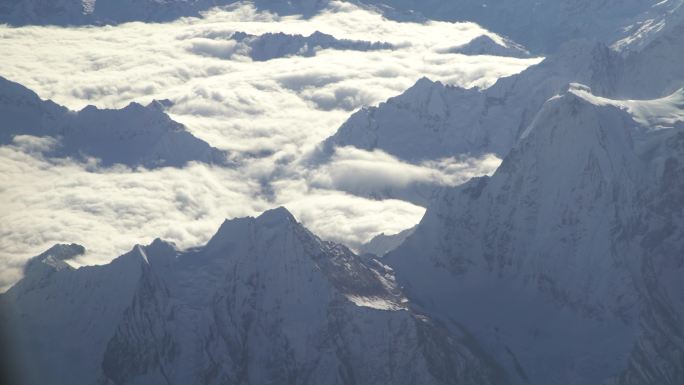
(274, 45)
(264, 301)
(485, 45)
(575, 241)
(541, 26)
(135, 135)
(431, 120)
(383, 243)
(271, 46)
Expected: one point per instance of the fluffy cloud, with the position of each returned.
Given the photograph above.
(267, 114)
(234, 104)
(110, 210)
(223, 49)
(380, 175)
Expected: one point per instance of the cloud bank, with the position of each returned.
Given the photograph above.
(110, 210)
(267, 114)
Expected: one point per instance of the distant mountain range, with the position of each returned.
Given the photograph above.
(271, 46)
(134, 136)
(541, 26)
(431, 120)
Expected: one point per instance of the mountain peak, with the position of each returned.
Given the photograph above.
(486, 45)
(276, 216)
(232, 231)
(14, 90)
(64, 251)
(53, 259)
(575, 122)
(426, 83)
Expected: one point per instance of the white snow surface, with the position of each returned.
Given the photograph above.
(486, 45)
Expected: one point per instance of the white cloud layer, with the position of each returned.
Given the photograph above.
(239, 104)
(108, 211)
(355, 170)
(267, 114)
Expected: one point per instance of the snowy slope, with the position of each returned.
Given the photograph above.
(135, 135)
(654, 69)
(381, 244)
(574, 242)
(540, 26)
(24, 113)
(78, 12)
(485, 45)
(264, 301)
(431, 120)
(649, 25)
(59, 320)
(19, 12)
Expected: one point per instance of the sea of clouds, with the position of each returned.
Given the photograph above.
(269, 115)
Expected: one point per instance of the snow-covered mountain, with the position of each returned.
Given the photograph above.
(78, 12)
(381, 244)
(566, 264)
(263, 302)
(652, 63)
(19, 12)
(135, 135)
(486, 45)
(646, 27)
(540, 26)
(24, 113)
(274, 45)
(431, 120)
(278, 45)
